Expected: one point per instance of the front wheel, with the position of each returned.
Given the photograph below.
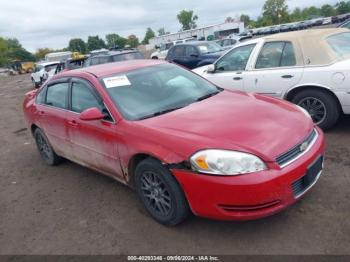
(160, 193)
(322, 107)
(45, 149)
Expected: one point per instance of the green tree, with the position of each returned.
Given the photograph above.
(132, 41)
(311, 12)
(41, 52)
(77, 45)
(3, 52)
(327, 10)
(343, 7)
(149, 34)
(276, 11)
(95, 42)
(115, 41)
(187, 19)
(245, 19)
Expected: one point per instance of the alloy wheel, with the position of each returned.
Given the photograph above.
(315, 107)
(156, 193)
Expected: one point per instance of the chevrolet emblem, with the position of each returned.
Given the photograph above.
(304, 146)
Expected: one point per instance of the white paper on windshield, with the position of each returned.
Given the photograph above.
(116, 81)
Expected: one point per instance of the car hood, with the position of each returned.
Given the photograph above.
(264, 126)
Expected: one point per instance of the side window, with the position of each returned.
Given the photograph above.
(40, 98)
(83, 98)
(276, 54)
(179, 51)
(57, 95)
(191, 50)
(288, 55)
(236, 59)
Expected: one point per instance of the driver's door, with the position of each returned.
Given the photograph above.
(93, 143)
(230, 69)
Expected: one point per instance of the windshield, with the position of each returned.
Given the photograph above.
(154, 90)
(340, 44)
(206, 48)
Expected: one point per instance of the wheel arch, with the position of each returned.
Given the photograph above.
(33, 127)
(290, 94)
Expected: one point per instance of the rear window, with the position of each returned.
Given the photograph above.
(127, 56)
(340, 44)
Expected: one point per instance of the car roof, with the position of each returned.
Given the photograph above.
(306, 41)
(103, 70)
(116, 52)
(47, 63)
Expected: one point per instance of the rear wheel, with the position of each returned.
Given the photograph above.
(154, 57)
(322, 107)
(45, 149)
(160, 193)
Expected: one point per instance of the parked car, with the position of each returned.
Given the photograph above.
(194, 54)
(309, 68)
(174, 137)
(70, 64)
(113, 56)
(162, 51)
(346, 24)
(43, 71)
(227, 43)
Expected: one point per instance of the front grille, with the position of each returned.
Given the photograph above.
(303, 184)
(296, 151)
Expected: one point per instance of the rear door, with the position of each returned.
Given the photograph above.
(276, 69)
(52, 114)
(93, 143)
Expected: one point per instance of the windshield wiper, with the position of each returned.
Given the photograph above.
(207, 96)
(161, 112)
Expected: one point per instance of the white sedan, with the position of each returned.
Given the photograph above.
(310, 68)
(43, 71)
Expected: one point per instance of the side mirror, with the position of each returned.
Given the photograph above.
(91, 114)
(211, 68)
(157, 47)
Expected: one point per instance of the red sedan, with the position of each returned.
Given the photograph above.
(181, 142)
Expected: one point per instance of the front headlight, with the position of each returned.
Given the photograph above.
(306, 113)
(224, 162)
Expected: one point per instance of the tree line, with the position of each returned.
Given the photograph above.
(277, 12)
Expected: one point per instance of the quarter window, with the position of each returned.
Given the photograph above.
(83, 98)
(57, 95)
(276, 54)
(236, 59)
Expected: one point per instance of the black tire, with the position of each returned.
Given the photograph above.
(45, 149)
(154, 57)
(160, 193)
(318, 101)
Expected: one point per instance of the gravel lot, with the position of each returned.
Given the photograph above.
(69, 209)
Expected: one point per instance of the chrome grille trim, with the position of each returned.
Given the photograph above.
(295, 153)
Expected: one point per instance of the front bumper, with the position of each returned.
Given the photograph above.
(249, 196)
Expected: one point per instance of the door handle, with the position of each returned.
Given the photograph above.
(287, 76)
(237, 78)
(73, 123)
(41, 113)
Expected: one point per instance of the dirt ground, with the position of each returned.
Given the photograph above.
(69, 209)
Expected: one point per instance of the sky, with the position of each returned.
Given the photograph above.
(43, 23)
